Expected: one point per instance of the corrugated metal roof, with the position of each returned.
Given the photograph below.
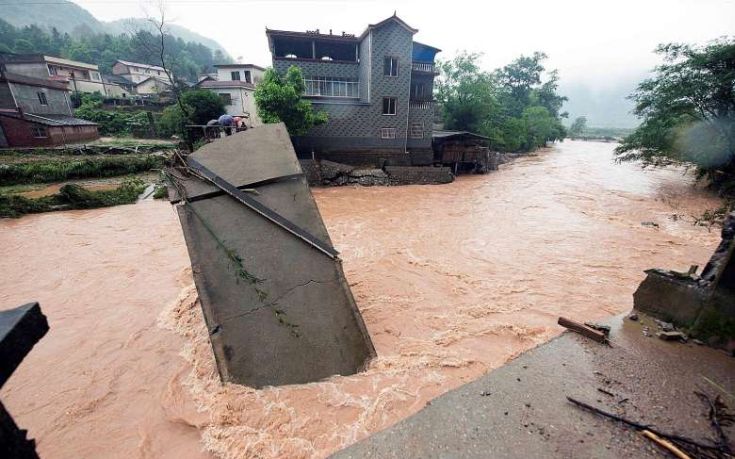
(57, 120)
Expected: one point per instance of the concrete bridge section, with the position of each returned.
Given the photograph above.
(521, 409)
(272, 289)
(702, 304)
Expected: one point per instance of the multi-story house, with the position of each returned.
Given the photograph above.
(79, 77)
(36, 112)
(147, 79)
(235, 84)
(376, 89)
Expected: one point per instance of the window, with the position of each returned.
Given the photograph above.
(39, 132)
(387, 133)
(42, 98)
(389, 105)
(331, 87)
(235, 76)
(247, 76)
(51, 70)
(226, 98)
(95, 76)
(417, 130)
(390, 66)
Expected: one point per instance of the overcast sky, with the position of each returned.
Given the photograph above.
(591, 41)
(596, 46)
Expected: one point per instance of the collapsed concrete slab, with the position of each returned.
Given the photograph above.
(704, 304)
(272, 289)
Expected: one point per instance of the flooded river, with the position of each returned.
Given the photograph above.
(452, 281)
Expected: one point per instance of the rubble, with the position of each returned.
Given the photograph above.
(703, 305)
(330, 173)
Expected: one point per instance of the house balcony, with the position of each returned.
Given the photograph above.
(424, 67)
(323, 87)
(421, 104)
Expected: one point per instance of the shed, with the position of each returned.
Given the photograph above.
(463, 150)
(33, 130)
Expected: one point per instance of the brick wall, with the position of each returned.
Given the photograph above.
(19, 133)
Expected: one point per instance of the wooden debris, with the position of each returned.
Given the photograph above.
(666, 445)
(599, 327)
(637, 425)
(671, 336)
(583, 330)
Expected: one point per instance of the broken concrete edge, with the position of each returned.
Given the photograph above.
(326, 336)
(20, 329)
(328, 173)
(703, 305)
(701, 312)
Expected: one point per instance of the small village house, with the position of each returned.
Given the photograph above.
(36, 111)
(376, 88)
(146, 79)
(79, 77)
(235, 84)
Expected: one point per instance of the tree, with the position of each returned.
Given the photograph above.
(688, 111)
(279, 98)
(578, 127)
(204, 105)
(465, 93)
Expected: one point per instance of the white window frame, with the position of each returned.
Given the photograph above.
(395, 106)
(392, 67)
(42, 99)
(388, 133)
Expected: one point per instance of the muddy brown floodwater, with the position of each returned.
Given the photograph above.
(452, 280)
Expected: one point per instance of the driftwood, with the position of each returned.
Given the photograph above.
(583, 330)
(665, 445)
(642, 427)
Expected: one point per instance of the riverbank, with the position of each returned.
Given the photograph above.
(522, 410)
(452, 281)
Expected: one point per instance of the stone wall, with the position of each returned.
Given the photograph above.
(329, 173)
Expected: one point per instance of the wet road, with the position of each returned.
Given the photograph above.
(452, 281)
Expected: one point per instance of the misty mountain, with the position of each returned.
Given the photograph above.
(69, 17)
(607, 107)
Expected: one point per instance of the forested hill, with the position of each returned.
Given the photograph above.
(71, 18)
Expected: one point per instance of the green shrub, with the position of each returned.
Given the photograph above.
(71, 197)
(91, 167)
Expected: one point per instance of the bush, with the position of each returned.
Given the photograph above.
(71, 197)
(60, 170)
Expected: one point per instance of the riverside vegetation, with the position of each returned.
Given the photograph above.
(20, 173)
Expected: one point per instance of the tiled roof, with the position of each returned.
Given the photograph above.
(143, 66)
(31, 81)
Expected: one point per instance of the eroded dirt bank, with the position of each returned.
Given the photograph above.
(452, 281)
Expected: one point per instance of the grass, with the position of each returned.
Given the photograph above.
(71, 197)
(59, 170)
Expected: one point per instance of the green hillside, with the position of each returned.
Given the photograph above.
(68, 17)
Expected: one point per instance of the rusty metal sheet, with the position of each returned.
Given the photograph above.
(278, 309)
